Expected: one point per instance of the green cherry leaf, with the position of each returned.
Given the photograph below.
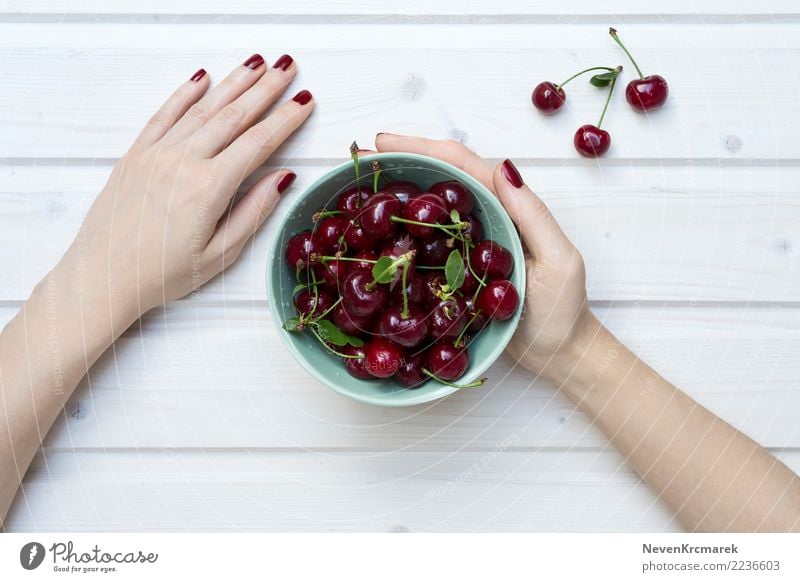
(455, 217)
(292, 324)
(454, 270)
(328, 331)
(604, 79)
(384, 270)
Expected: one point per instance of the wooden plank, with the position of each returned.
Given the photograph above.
(499, 489)
(493, 490)
(653, 8)
(730, 100)
(210, 377)
(672, 233)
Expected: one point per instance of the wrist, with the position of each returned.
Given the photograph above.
(584, 360)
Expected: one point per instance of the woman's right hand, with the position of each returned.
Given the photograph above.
(556, 325)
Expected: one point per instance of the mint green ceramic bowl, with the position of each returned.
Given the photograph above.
(327, 368)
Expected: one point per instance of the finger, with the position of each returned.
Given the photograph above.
(452, 152)
(173, 109)
(247, 215)
(233, 119)
(540, 231)
(255, 145)
(237, 82)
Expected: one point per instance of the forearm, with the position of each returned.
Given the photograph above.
(711, 475)
(45, 350)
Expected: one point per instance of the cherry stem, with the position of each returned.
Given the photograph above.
(325, 213)
(466, 327)
(474, 384)
(445, 227)
(376, 167)
(431, 268)
(327, 311)
(558, 87)
(404, 312)
(329, 348)
(354, 156)
(613, 34)
(608, 99)
(326, 258)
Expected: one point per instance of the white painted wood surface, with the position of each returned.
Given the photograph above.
(200, 421)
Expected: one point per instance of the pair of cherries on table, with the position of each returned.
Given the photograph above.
(643, 94)
(397, 280)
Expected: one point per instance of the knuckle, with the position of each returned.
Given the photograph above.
(232, 115)
(159, 119)
(199, 111)
(261, 137)
(542, 210)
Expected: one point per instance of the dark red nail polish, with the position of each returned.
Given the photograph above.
(285, 182)
(283, 62)
(511, 174)
(254, 62)
(302, 97)
(198, 75)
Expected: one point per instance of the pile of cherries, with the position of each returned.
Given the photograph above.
(397, 280)
(643, 94)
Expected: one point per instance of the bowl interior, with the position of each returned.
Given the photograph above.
(326, 367)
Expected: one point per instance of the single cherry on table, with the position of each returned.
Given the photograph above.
(647, 92)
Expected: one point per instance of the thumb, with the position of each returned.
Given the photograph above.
(539, 230)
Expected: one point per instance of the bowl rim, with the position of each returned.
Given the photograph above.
(443, 390)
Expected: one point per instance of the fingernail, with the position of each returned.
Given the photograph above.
(285, 182)
(198, 75)
(283, 62)
(254, 62)
(302, 97)
(511, 174)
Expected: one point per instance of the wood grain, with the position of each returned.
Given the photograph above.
(671, 233)
(219, 377)
(654, 9)
(84, 90)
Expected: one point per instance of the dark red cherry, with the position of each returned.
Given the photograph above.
(364, 265)
(455, 195)
(548, 97)
(357, 367)
(350, 201)
(647, 93)
(433, 252)
(329, 231)
(591, 141)
(491, 260)
(402, 189)
(470, 284)
(382, 357)
(428, 208)
(409, 373)
(474, 229)
(398, 245)
(447, 361)
(416, 289)
(307, 302)
(448, 318)
(376, 215)
(409, 331)
(333, 271)
(477, 319)
(349, 323)
(498, 300)
(432, 282)
(300, 248)
(357, 239)
(360, 298)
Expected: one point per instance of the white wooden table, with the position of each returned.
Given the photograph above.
(200, 420)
